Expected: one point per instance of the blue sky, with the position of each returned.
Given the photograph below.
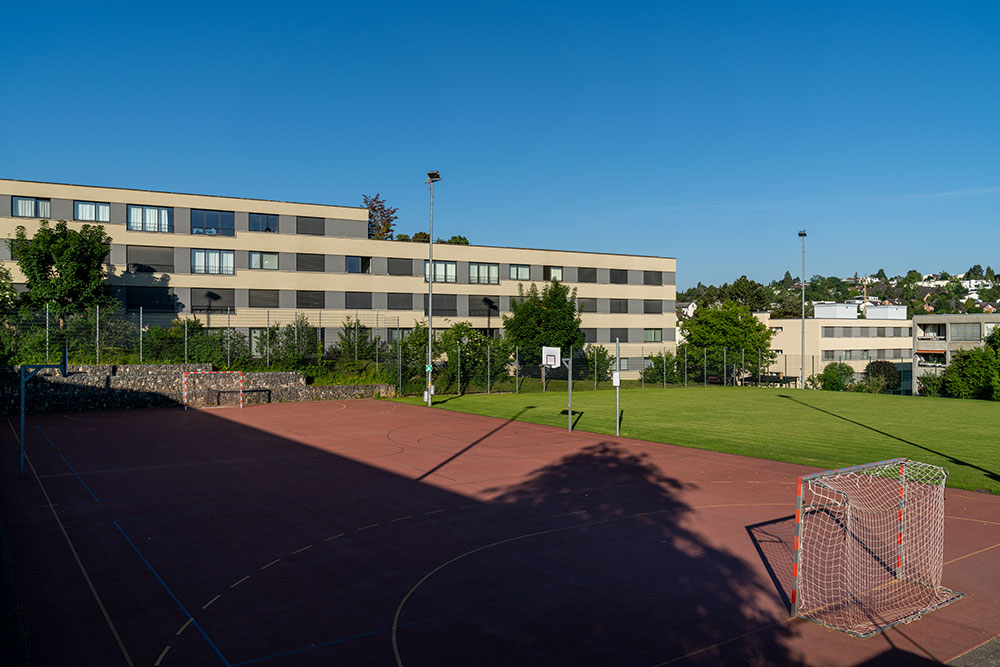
(709, 132)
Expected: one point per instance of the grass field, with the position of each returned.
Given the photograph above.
(817, 428)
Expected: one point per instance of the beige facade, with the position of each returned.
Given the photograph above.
(197, 254)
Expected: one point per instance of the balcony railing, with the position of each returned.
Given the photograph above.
(930, 336)
(142, 267)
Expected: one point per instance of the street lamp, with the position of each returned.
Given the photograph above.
(802, 235)
(432, 178)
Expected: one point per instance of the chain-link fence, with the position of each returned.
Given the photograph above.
(370, 346)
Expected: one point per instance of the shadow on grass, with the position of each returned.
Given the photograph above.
(989, 473)
(576, 420)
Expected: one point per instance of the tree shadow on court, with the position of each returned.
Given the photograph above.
(636, 581)
(951, 459)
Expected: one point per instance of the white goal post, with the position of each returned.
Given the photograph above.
(187, 373)
(869, 546)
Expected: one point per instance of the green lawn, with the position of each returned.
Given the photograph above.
(817, 428)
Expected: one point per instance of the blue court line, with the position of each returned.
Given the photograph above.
(72, 469)
(79, 478)
(187, 614)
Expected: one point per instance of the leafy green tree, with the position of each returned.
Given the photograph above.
(789, 306)
(973, 374)
(882, 377)
(381, 217)
(989, 275)
(8, 296)
(472, 356)
(975, 271)
(930, 385)
(880, 275)
(356, 342)
(749, 293)
(600, 362)
(458, 240)
(543, 318)
(835, 377)
(402, 237)
(993, 340)
(913, 276)
(421, 237)
(64, 267)
(654, 372)
(728, 327)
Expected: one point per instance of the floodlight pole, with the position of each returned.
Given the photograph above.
(618, 369)
(802, 376)
(432, 178)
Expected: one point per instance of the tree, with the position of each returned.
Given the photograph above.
(913, 276)
(975, 271)
(421, 237)
(748, 293)
(882, 377)
(356, 342)
(993, 340)
(880, 275)
(473, 355)
(729, 327)
(458, 240)
(655, 373)
(546, 318)
(973, 374)
(599, 362)
(381, 218)
(789, 306)
(989, 275)
(64, 267)
(8, 296)
(402, 237)
(835, 377)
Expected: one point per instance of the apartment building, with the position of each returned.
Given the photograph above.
(243, 262)
(836, 334)
(936, 338)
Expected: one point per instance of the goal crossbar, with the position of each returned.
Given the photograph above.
(187, 373)
(868, 546)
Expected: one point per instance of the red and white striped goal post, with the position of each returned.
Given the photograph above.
(185, 378)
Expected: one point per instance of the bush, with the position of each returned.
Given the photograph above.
(881, 377)
(654, 372)
(930, 385)
(837, 376)
(973, 374)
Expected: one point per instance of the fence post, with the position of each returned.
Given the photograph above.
(356, 337)
(375, 337)
(704, 368)
(46, 333)
(295, 321)
(140, 334)
(517, 370)
(664, 366)
(488, 371)
(399, 363)
(725, 367)
(459, 367)
(267, 337)
(618, 369)
(97, 335)
(185, 337)
(229, 336)
(570, 385)
(595, 368)
(642, 367)
(685, 366)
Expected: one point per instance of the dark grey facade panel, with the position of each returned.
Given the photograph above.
(335, 301)
(570, 274)
(183, 299)
(336, 264)
(310, 299)
(263, 298)
(242, 298)
(182, 260)
(213, 299)
(148, 259)
(420, 302)
(379, 301)
(357, 300)
(286, 299)
(61, 209)
(636, 335)
(604, 305)
(461, 272)
(504, 304)
(286, 224)
(286, 260)
(242, 260)
(604, 336)
(118, 213)
(670, 334)
(399, 301)
(589, 335)
(5, 206)
(536, 272)
(118, 256)
(242, 221)
(379, 266)
(5, 252)
(310, 226)
(669, 305)
(182, 220)
(354, 229)
(635, 276)
(399, 266)
(669, 277)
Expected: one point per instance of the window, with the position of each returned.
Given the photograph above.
(444, 272)
(149, 218)
(589, 335)
(586, 275)
(29, 207)
(966, 331)
(217, 262)
(777, 330)
(619, 276)
(263, 298)
(484, 274)
(622, 364)
(400, 266)
(397, 334)
(552, 273)
(310, 226)
(619, 333)
(89, 211)
(310, 299)
(150, 299)
(520, 272)
(586, 305)
(358, 300)
(650, 306)
(263, 260)
(212, 300)
(619, 305)
(400, 301)
(359, 264)
(444, 304)
(263, 222)
(149, 259)
(652, 277)
(484, 306)
(213, 223)
(652, 335)
(308, 262)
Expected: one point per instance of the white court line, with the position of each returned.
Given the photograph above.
(184, 627)
(211, 601)
(271, 563)
(239, 582)
(298, 551)
(331, 538)
(367, 527)
(160, 659)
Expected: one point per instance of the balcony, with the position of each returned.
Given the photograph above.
(140, 267)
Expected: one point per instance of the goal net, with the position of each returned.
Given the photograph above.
(869, 546)
(200, 385)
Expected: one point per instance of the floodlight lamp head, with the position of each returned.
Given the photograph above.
(802, 233)
(433, 176)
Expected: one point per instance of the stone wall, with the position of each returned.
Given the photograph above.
(102, 387)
